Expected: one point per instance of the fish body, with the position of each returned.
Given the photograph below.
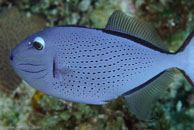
(94, 66)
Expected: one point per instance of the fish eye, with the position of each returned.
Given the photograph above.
(39, 43)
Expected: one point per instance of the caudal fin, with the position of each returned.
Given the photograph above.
(186, 52)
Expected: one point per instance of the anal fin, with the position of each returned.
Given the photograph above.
(142, 99)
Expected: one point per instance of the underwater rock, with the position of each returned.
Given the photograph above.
(102, 11)
(170, 17)
(84, 5)
(16, 108)
(14, 27)
(190, 98)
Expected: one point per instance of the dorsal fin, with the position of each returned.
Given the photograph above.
(121, 22)
(142, 99)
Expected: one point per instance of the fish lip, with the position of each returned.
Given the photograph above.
(11, 56)
(38, 78)
(33, 73)
(12, 61)
(28, 71)
(28, 64)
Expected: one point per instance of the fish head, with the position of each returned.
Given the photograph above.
(33, 58)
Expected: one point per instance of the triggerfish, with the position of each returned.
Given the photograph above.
(95, 66)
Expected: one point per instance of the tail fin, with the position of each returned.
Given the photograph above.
(187, 65)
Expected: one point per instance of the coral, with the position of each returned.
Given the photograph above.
(16, 107)
(172, 18)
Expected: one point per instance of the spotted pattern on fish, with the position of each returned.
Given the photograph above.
(94, 66)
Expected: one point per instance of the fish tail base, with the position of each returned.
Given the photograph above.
(187, 58)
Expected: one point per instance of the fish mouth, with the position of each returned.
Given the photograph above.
(23, 64)
(28, 68)
(11, 57)
(31, 71)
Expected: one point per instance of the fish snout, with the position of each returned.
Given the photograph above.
(11, 57)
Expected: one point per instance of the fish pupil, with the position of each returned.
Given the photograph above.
(38, 45)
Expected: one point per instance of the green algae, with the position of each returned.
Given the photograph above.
(174, 110)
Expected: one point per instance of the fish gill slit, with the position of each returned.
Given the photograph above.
(54, 67)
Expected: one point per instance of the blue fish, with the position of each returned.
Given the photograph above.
(95, 66)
